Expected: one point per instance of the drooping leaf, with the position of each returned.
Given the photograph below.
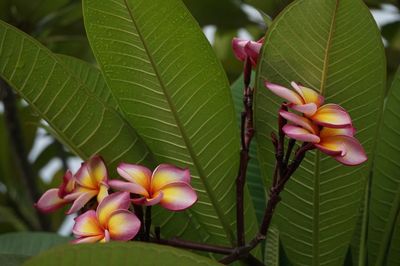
(29, 243)
(385, 186)
(121, 254)
(334, 47)
(172, 89)
(254, 179)
(80, 119)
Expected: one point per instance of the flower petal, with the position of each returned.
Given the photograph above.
(285, 93)
(87, 225)
(123, 225)
(351, 151)
(252, 50)
(327, 132)
(165, 174)
(67, 185)
(81, 200)
(83, 178)
(308, 95)
(300, 121)
(238, 48)
(157, 197)
(136, 174)
(97, 170)
(128, 187)
(332, 115)
(50, 201)
(89, 239)
(115, 201)
(299, 133)
(308, 109)
(178, 196)
(103, 192)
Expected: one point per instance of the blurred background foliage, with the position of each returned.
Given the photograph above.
(58, 24)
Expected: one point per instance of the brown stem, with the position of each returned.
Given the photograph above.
(246, 135)
(243, 251)
(18, 149)
(139, 214)
(289, 150)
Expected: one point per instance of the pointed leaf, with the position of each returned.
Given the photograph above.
(81, 120)
(172, 89)
(385, 186)
(335, 47)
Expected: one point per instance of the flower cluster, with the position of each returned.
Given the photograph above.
(167, 185)
(328, 127)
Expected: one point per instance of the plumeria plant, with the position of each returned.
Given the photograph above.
(306, 174)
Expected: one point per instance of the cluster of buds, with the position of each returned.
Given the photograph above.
(111, 218)
(328, 127)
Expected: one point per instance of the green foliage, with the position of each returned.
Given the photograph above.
(338, 51)
(29, 243)
(384, 221)
(82, 121)
(15, 248)
(118, 254)
(172, 89)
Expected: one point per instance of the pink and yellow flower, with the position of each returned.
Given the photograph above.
(247, 49)
(90, 181)
(111, 221)
(167, 185)
(336, 142)
(309, 102)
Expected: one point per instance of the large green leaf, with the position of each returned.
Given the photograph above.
(110, 254)
(333, 46)
(92, 78)
(82, 121)
(172, 89)
(385, 186)
(271, 251)
(29, 244)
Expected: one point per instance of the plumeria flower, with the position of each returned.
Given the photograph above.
(110, 221)
(90, 181)
(246, 48)
(336, 142)
(167, 185)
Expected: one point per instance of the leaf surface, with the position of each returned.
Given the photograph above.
(334, 47)
(383, 223)
(172, 89)
(81, 120)
(121, 254)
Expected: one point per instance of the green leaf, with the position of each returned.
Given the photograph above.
(110, 254)
(12, 259)
(385, 185)
(29, 244)
(92, 78)
(254, 180)
(80, 119)
(7, 215)
(271, 256)
(172, 89)
(338, 51)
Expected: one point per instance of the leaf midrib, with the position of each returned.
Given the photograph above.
(192, 154)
